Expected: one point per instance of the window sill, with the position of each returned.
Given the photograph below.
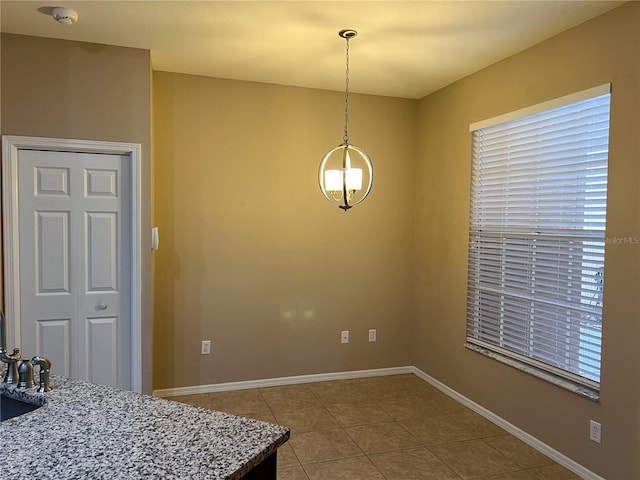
(582, 390)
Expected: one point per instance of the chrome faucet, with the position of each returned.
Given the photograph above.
(45, 370)
(10, 359)
(23, 374)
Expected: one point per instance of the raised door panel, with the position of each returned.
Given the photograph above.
(53, 268)
(54, 342)
(101, 252)
(102, 350)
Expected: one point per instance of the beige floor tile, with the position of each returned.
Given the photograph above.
(415, 385)
(262, 416)
(435, 430)
(447, 404)
(419, 464)
(239, 402)
(467, 417)
(286, 457)
(292, 473)
(410, 406)
(519, 452)
(340, 391)
(358, 413)
(519, 475)
(358, 468)
(421, 388)
(306, 419)
(552, 472)
(402, 378)
(201, 400)
(288, 397)
(486, 429)
(473, 458)
(323, 445)
(374, 381)
(382, 387)
(382, 437)
(477, 424)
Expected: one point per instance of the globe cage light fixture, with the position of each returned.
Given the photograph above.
(343, 168)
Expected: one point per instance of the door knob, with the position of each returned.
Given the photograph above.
(102, 306)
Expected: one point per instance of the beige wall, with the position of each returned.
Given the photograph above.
(606, 49)
(252, 256)
(63, 89)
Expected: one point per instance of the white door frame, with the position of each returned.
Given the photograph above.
(11, 254)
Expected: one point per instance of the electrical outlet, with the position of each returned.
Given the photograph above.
(595, 431)
(344, 336)
(205, 349)
(373, 336)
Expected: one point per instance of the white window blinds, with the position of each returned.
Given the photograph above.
(537, 238)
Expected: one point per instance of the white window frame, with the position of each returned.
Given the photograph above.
(500, 319)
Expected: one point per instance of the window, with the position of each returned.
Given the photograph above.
(537, 238)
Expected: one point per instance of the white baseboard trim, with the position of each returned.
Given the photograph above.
(530, 440)
(323, 377)
(278, 381)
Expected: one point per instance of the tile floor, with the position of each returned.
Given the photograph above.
(395, 428)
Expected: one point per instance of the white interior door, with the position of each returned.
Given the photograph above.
(74, 213)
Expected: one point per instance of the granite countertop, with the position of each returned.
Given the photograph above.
(87, 431)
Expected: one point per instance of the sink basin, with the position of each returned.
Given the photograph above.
(10, 407)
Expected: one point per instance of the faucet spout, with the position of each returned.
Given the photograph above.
(45, 371)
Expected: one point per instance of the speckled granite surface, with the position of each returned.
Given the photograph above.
(86, 431)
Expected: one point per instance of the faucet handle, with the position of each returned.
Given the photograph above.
(11, 377)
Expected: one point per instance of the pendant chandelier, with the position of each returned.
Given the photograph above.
(346, 169)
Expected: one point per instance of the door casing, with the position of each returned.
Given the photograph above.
(11, 145)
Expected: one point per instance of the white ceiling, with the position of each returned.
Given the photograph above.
(403, 48)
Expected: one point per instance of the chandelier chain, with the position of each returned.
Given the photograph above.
(346, 97)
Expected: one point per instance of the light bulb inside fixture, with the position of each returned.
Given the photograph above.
(349, 179)
(352, 176)
(353, 179)
(333, 180)
(65, 16)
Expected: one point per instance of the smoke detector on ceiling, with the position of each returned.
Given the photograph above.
(66, 16)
